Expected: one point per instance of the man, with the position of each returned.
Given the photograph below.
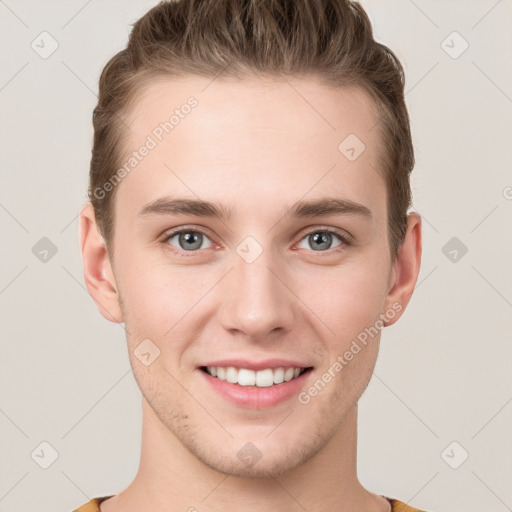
(248, 223)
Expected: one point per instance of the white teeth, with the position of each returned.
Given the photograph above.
(264, 378)
(246, 377)
(288, 374)
(232, 374)
(260, 378)
(278, 375)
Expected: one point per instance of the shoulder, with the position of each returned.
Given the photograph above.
(93, 505)
(400, 506)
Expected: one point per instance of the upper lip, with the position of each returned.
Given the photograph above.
(257, 365)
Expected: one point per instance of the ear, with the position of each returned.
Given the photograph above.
(405, 270)
(98, 274)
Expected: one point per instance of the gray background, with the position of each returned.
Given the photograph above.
(443, 375)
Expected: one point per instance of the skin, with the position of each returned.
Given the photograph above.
(256, 146)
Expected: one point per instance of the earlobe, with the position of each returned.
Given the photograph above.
(405, 270)
(98, 275)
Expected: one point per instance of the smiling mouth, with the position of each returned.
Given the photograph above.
(249, 378)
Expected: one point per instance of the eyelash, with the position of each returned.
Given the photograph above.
(345, 240)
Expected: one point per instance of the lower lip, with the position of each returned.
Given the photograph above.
(253, 397)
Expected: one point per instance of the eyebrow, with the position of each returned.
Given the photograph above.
(301, 209)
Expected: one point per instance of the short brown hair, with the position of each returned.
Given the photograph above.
(331, 40)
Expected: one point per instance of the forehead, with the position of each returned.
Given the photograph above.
(218, 139)
(252, 104)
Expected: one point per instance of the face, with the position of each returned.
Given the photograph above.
(267, 280)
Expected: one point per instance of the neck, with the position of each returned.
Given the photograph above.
(170, 475)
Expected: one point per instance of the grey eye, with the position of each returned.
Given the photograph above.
(321, 240)
(189, 240)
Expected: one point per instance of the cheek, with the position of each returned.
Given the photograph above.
(159, 305)
(350, 300)
(157, 295)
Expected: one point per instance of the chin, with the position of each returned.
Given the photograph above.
(263, 468)
(258, 457)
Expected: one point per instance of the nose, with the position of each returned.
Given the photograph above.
(256, 298)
